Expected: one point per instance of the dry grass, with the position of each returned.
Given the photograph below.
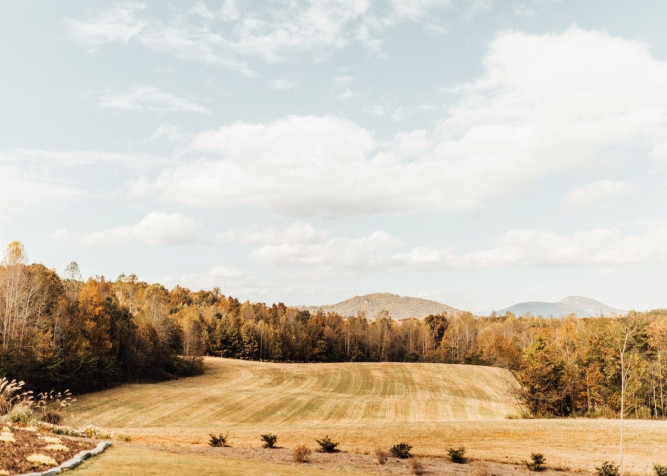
(235, 392)
(128, 461)
(365, 406)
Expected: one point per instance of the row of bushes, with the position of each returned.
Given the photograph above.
(402, 450)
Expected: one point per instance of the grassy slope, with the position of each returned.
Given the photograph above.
(234, 392)
(363, 405)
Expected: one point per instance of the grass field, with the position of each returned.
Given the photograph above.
(365, 406)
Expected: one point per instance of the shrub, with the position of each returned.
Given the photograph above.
(416, 466)
(300, 454)
(219, 440)
(20, 413)
(538, 462)
(326, 445)
(401, 450)
(660, 470)
(381, 455)
(457, 455)
(269, 440)
(608, 468)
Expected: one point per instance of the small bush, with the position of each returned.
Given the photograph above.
(20, 413)
(401, 450)
(300, 454)
(381, 455)
(125, 438)
(326, 445)
(608, 468)
(52, 417)
(219, 440)
(416, 466)
(660, 470)
(269, 440)
(538, 462)
(457, 454)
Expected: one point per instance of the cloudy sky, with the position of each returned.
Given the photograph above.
(476, 152)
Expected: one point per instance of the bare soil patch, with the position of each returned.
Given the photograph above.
(25, 450)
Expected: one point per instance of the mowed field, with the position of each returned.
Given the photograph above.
(362, 405)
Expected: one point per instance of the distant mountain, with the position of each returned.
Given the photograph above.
(399, 307)
(581, 306)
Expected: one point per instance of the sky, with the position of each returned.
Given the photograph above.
(479, 153)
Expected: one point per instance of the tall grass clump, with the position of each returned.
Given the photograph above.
(52, 404)
(11, 394)
(300, 454)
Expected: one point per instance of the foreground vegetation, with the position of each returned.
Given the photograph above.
(437, 408)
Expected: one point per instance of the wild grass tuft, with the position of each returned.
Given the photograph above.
(300, 454)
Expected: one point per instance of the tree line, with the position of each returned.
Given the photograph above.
(63, 332)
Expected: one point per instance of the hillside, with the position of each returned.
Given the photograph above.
(242, 392)
(580, 306)
(399, 307)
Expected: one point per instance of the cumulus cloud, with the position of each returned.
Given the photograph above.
(148, 98)
(607, 246)
(298, 232)
(155, 229)
(302, 245)
(340, 252)
(595, 193)
(232, 281)
(545, 104)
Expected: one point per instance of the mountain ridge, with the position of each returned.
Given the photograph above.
(399, 307)
(578, 305)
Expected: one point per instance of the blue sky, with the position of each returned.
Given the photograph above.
(479, 153)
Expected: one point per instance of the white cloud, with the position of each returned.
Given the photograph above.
(22, 189)
(231, 281)
(148, 98)
(298, 232)
(155, 229)
(282, 84)
(115, 24)
(45, 159)
(595, 193)
(339, 252)
(276, 32)
(611, 246)
(170, 133)
(416, 9)
(546, 104)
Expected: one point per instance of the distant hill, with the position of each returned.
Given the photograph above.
(581, 306)
(399, 307)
